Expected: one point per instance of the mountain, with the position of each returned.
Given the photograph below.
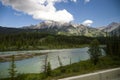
(112, 28)
(66, 29)
(46, 24)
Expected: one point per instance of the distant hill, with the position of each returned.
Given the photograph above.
(6, 30)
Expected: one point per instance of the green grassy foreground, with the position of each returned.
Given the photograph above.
(79, 68)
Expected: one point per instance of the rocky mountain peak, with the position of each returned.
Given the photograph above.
(112, 26)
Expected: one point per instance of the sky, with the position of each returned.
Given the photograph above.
(96, 13)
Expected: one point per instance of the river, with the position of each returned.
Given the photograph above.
(35, 64)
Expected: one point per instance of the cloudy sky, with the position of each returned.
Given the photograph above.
(96, 13)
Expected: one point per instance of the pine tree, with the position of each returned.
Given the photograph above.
(94, 51)
(12, 69)
(113, 44)
(48, 69)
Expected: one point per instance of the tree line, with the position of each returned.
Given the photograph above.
(113, 44)
(112, 49)
(37, 40)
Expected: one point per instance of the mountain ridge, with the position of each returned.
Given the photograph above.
(67, 29)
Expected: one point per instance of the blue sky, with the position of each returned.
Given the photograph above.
(99, 12)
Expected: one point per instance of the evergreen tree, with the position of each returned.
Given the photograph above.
(49, 69)
(12, 69)
(94, 51)
(113, 44)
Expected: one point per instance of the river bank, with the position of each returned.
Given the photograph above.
(7, 58)
(75, 69)
(35, 64)
(48, 47)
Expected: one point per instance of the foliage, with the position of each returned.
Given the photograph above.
(49, 71)
(113, 45)
(12, 70)
(94, 51)
(78, 68)
(37, 40)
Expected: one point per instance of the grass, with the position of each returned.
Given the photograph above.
(74, 69)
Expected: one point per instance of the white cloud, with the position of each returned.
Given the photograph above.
(86, 1)
(74, 0)
(87, 22)
(41, 9)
